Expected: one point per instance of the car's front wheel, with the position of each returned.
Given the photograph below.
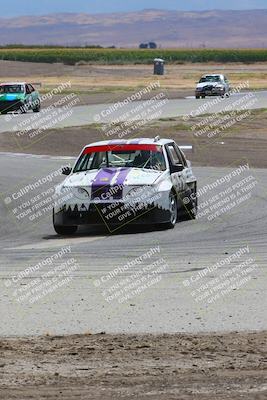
(173, 210)
(64, 230)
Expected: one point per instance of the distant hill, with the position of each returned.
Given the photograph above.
(166, 28)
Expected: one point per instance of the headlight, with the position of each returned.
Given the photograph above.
(65, 189)
(79, 192)
(140, 194)
(135, 193)
(82, 194)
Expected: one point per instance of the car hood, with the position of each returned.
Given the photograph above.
(11, 96)
(213, 84)
(113, 177)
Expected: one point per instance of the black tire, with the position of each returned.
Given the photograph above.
(197, 97)
(37, 108)
(173, 211)
(191, 205)
(22, 110)
(203, 97)
(65, 230)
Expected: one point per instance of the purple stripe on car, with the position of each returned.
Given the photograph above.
(120, 181)
(102, 181)
(122, 176)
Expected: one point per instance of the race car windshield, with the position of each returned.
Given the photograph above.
(11, 89)
(210, 79)
(150, 159)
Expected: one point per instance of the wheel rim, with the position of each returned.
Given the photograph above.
(173, 209)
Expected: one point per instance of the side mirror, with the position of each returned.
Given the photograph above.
(177, 168)
(66, 171)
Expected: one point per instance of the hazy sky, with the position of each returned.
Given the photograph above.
(35, 7)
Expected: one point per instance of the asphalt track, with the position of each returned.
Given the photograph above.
(168, 306)
(105, 113)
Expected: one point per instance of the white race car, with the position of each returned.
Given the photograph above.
(139, 181)
(213, 85)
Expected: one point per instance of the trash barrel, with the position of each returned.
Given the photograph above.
(159, 66)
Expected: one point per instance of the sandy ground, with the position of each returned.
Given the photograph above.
(213, 367)
(247, 139)
(117, 79)
(98, 84)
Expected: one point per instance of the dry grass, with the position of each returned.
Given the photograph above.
(128, 77)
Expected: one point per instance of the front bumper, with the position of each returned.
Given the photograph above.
(12, 105)
(112, 215)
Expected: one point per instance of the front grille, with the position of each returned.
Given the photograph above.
(208, 87)
(106, 192)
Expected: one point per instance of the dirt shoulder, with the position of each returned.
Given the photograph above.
(246, 140)
(219, 366)
(114, 79)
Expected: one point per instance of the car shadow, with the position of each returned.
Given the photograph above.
(94, 231)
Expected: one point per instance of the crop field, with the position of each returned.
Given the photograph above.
(72, 56)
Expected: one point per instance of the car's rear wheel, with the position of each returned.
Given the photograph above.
(191, 205)
(197, 97)
(22, 109)
(37, 108)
